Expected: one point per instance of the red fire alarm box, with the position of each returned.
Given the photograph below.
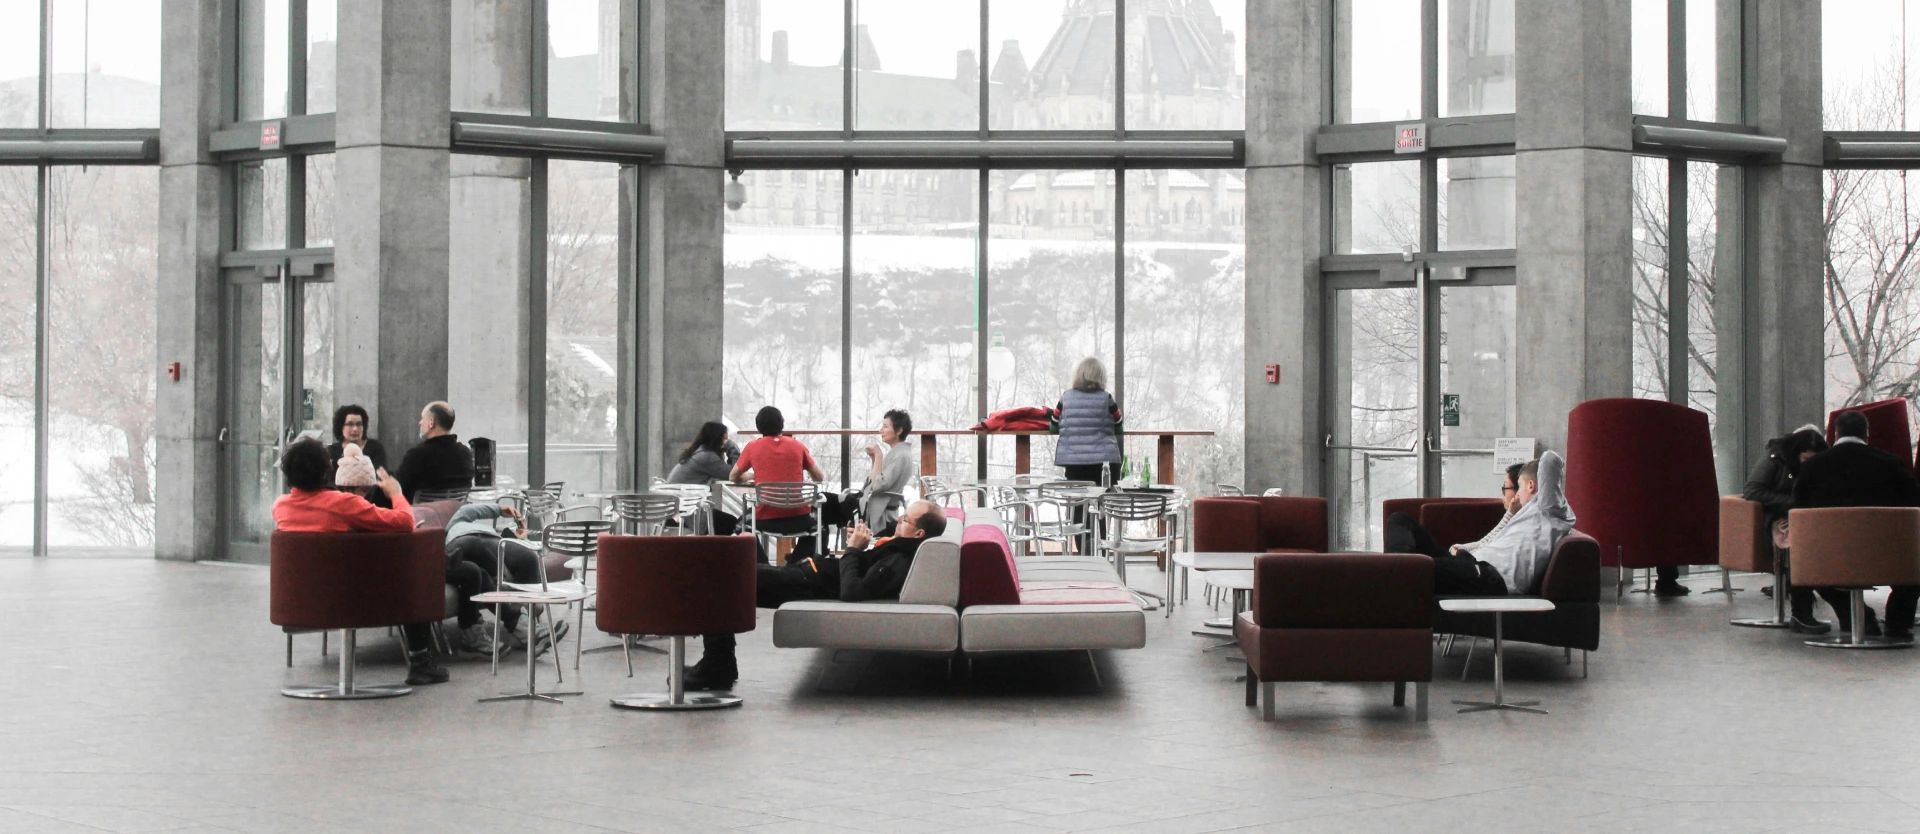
(173, 371)
(1273, 373)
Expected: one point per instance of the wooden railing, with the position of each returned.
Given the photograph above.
(1022, 446)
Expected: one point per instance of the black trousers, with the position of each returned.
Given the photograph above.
(802, 547)
(1900, 607)
(1093, 472)
(1453, 575)
(471, 555)
(773, 587)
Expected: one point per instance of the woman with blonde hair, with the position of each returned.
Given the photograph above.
(1088, 422)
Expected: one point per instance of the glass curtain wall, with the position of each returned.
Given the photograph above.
(81, 333)
(1872, 280)
(914, 296)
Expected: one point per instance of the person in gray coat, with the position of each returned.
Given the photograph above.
(709, 458)
(1088, 422)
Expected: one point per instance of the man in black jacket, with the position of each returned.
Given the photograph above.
(1853, 474)
(441, 461)
(863, 574)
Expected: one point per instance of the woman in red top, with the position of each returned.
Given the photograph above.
(776, 458)
(310, 507)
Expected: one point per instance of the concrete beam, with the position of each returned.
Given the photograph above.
(187, 510)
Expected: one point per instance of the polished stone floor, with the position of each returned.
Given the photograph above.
(142, 696)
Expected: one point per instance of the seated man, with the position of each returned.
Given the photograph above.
(1853, 474)
(310, 507)
(777, 458)
(863, 574)
(1507, 560)
(441, 461)
(474, 539)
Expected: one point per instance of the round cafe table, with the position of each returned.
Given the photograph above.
(1498, 606)
(1204, 562)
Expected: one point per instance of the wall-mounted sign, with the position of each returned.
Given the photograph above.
(1410, 138)
(1508, 451)
(270, 136)
(1450, 410)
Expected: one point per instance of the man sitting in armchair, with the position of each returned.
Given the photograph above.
(1508, 559)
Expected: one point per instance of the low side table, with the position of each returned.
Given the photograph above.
(1203, 562)
(535, 602)
(1240, 584)
(1498, 606)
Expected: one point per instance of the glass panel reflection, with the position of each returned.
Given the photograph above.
(1375, 339)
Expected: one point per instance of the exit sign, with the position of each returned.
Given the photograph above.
(1410, 138)
(270, 136)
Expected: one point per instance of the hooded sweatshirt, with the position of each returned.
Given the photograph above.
(1520, 550)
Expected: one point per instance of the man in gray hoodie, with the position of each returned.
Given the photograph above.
(473, 535)
(1508, 559)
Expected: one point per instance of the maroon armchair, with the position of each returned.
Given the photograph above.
(1571, 581)
(676, 586)
(1641, 482)
(1887, 427)
(1339, 617)
(348, 581)
(1264, 524)
(1449, 521)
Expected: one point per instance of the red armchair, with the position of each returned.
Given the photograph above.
(1266, 524)
(676, 586)
(1339, 617)
(1887, 427)
(1641, 482)
(1449, 521)
(348, 581)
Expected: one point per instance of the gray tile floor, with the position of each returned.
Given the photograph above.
(141, 696)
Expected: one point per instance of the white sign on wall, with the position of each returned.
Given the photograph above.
(1410, 138)
(1508, 451)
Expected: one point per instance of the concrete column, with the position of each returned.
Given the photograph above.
(1286, 97)
(682, 288)
(390, 331)
(1783, 302)
(187, 514)
(1574, 192)
(490, 201)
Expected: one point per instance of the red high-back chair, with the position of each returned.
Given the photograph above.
(1641, 481)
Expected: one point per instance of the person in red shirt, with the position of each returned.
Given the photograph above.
(776, 458)
(310, 507)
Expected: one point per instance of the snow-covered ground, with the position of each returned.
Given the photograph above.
(79, 446)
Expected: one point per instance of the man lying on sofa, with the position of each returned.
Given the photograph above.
(1508, 559)
(864, 573)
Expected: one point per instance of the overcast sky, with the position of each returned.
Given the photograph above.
(920, 37)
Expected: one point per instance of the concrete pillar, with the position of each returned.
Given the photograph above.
(1574, 192)
(390, 331)
(1782, 360)
(187, 517)
(682, 285)
(490, 200)
(1286, 94)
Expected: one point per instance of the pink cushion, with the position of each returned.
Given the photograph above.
(1073, 593)
(987, 573)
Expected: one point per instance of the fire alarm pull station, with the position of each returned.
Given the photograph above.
(1273, 373)
(173, 371)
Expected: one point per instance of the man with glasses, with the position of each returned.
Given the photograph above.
(1506, 559)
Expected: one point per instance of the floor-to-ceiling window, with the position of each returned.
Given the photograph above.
(78, 263)
(959, 286)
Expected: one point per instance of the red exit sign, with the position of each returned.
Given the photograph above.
(270, 136)
(1410, 138)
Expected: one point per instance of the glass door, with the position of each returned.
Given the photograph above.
(279, 354)
(1419, 380)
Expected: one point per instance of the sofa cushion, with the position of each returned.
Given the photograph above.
(1072, 593)
(1335, 654)
(879, 626)
(988, 575)
(1030, 628)
(934, 578)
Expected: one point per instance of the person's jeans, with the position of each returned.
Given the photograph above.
(1453, 575)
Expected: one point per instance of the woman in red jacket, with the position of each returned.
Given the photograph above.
(310, 507)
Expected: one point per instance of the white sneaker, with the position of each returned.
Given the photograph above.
(476, 641)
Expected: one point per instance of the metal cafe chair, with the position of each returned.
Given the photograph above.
(1119, 509)
(786, 496)
(579, 541)
(1065, 498)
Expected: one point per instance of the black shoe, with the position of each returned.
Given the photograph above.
(1899, 635)
(423, 671)
(1845, 625)
(708, 679)
(1809, 625)
(1670, 588)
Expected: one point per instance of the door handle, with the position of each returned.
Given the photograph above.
(222, 438)
(1430, 446)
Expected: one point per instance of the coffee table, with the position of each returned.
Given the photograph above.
(1203, 562)
(1498, 606)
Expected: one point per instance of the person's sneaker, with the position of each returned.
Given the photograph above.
(422, 670)
(475, 641)
(1809, 625)
(543, 636)
(1670, 588)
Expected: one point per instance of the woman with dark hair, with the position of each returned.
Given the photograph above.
(707, 459)
(350, 425)
(311, 507)
(1771, 485)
